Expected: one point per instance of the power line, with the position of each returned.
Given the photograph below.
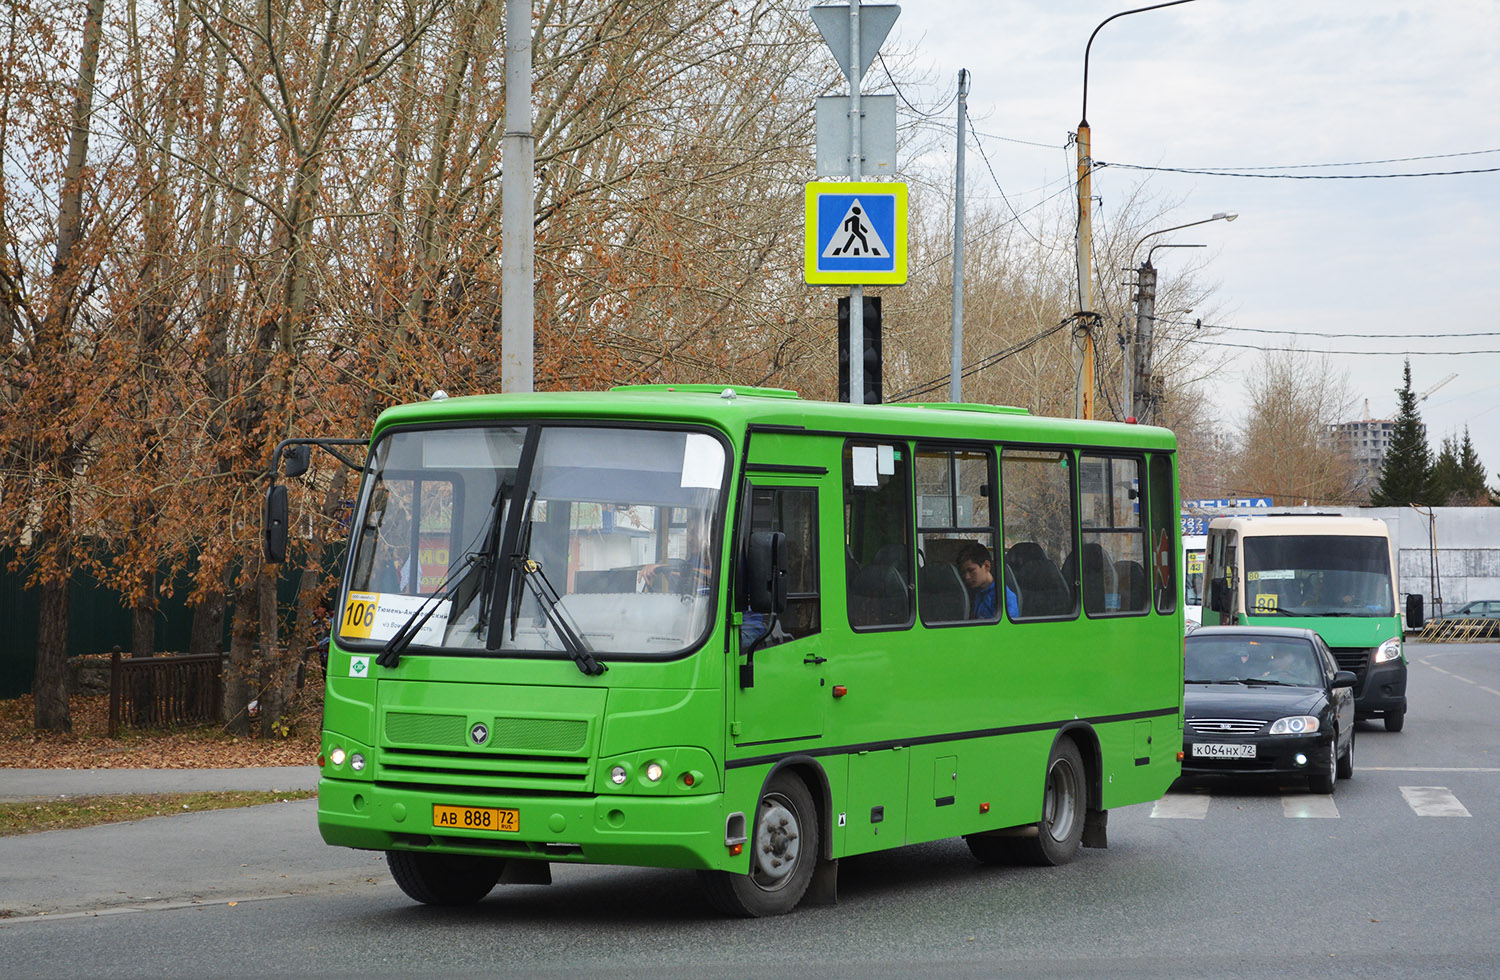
(987, 165)
(1370, 353)
(1354, 163)
(985, 362)
(1100, 164)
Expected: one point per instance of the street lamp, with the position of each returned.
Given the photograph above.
(1143, 397)
(1083, 356)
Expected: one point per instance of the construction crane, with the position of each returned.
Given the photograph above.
(1423, 396)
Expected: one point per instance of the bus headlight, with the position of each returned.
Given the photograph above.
(1295, 725)
(1388, 651)
(336, 756)
(617, 775)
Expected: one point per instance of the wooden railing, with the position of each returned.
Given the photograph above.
(158, 692)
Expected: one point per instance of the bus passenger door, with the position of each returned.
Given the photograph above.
(777, 676)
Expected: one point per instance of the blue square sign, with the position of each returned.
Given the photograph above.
(855, 233)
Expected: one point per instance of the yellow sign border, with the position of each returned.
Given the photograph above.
(885, 188)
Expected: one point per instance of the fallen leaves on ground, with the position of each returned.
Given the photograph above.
(89, 746)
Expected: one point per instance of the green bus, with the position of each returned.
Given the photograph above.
(731, 630)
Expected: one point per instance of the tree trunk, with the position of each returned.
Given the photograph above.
(49, 686)
(238, 689)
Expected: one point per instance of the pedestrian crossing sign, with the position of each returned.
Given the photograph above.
(855, 233)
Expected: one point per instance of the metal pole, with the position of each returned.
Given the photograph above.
(518, 207)
(856, 293)
(1142, 402)
(955, 361)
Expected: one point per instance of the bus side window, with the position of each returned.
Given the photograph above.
(877, 534)
(955, 523)
(1164, 570)
(1038, 523)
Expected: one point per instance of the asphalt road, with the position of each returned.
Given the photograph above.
(1394, 876)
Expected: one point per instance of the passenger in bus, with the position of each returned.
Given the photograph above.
(978, 571)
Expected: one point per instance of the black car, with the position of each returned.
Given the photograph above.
(1266, 701)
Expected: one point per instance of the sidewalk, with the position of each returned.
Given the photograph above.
(33, 784)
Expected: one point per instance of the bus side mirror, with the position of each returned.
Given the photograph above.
(298, 459)
(1218, 596)
(275, 523)
(766, 572)
(1414, 617)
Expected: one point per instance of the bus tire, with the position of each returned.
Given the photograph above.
(1395, 720)
(443, 879)
(1064, 804)
(783, 853)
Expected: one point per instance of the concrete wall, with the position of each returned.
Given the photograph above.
(1463, 565)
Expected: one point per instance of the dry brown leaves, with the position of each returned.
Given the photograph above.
(89, 746)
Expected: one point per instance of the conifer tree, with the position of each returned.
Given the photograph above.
(1406, 470)
(1471, 474)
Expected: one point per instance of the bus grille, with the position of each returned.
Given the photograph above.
(1226, 726)
(520, 755)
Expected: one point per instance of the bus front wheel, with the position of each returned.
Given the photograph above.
(444, 879)
(784, 851)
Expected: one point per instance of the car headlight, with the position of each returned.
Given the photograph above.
(1388, 651)
(1295, 725)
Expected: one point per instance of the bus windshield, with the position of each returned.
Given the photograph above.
(508, 538)
(1318, 575)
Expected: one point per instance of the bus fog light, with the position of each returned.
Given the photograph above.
(357, 762)
(617, 775)
(653, 772)
(336, 756)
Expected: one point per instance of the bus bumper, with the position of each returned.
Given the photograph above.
(1383, 691)
(669, 832)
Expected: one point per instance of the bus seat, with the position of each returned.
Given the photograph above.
(1097, 578)
(877, 597)
(941, 594)
(1132, 579)
(1041, 587)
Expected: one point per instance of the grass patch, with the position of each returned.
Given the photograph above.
(70, 813)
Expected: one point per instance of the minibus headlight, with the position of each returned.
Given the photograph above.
(1388, 651)
(336, 756)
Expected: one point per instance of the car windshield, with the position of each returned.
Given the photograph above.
(537, 539)
(1251, 660)
(1318, 575)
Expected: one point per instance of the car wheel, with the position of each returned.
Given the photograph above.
(1346, 761)
(443, 879)
(784, 851)
(1323, 782)
(1395, 720)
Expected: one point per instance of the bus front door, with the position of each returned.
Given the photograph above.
(779, 676)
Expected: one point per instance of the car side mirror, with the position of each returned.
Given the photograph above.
(766, 572)
(1344, 678)
(1218, 595)
(274, 523)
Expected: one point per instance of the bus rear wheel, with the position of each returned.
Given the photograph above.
(444, 879)
(784, 850)
(1064, 801)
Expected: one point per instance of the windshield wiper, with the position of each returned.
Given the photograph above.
(530, 572)
(484, 558)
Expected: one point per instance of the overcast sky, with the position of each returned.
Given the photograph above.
(1270, 83)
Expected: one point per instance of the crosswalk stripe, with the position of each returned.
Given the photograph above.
(1308, 805)
(1182, 806)
(1434, 801)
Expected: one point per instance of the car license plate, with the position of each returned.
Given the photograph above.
(476, 818)
(1223, 750)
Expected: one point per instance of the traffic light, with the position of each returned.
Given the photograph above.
(872, 350)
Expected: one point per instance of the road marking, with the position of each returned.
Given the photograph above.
(1308, 805)
(1433, 801)
(1182, 806)
(1428, 769)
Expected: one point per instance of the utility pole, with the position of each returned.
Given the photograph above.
(1143, 402)
(517, 208)
(856, 293)
(1083, 352)
(955, 361)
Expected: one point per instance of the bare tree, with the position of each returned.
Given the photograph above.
(1284, 448)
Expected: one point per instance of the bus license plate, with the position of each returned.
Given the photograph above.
(1222, 750)
(476, 818)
